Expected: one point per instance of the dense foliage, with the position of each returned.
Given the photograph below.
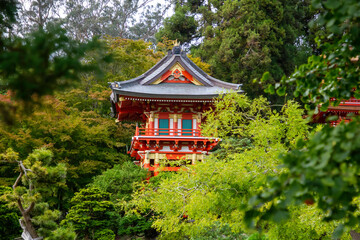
(66, 158)
(242, 39)
(335, 73)
(323, 170)
(9, 219)
(85, 19)
(92, 212)
(39, 179)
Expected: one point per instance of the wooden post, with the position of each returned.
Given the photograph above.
(137, 130)
(151, 124)
(193, 158)
(175, 126)
(147, 160)
(157, 164)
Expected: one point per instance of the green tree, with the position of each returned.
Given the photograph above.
(62, 233)
(244, 38)
(45, 61)
(212, 194)
(9, 219)
(38, 64)
(131, 58)
(179, 26)
(335, 73)
(37, 14)
(87, 143)
(323, 170)
(40, 178)
(119, 180)
(91, 213)
(125, 19)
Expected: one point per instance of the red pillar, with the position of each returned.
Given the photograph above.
(151, 124)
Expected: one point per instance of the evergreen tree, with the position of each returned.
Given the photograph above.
(9, 219)
(39, 178)
(37, 14)
(242, 39)
(125, 19)
(324, 170)
(91, 214)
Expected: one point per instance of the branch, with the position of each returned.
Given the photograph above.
(32, 205)
(20, 206)
(23, 168)
(17, 180)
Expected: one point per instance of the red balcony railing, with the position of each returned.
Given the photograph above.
(167, 132)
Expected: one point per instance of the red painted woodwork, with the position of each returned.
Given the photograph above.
(175, 77)
(177, 73)
(342, 111)
(157, 94)
(187, 75)
(149, 148)
(174, 144)
(166, 75)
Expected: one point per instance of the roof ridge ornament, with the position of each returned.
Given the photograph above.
(176, 49)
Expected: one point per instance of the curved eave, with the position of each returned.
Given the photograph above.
(167, 96)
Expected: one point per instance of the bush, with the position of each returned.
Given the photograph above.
(105, 234)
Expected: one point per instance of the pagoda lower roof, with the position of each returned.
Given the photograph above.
(171, 90)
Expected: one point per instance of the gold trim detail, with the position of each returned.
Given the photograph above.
(157, 81)
(196, 82)
(177, 65)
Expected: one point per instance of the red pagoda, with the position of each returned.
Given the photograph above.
(342, 111)
(168, 100)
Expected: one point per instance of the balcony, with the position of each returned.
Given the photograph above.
(168, 133)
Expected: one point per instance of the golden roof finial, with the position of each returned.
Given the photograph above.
(176, 43)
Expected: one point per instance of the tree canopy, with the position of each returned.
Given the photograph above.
(274, 175)
(323, 169)
(242, 39)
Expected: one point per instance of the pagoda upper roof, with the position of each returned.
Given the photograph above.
(190, 81)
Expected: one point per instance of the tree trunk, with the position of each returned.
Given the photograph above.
(29, 226)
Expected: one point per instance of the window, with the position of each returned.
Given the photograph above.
(186, 124)
(164, 124)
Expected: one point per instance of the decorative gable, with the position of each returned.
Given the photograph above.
(177, 74)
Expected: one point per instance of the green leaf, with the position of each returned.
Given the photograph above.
(324, 106)
(332, 4)
(328, 182)
(316, 3)
(265, 77)
(280, 216)
(271, 89)
(281, 91)
(338, 232)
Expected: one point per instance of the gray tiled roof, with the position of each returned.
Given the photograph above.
(141, 86)
(171, 90)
